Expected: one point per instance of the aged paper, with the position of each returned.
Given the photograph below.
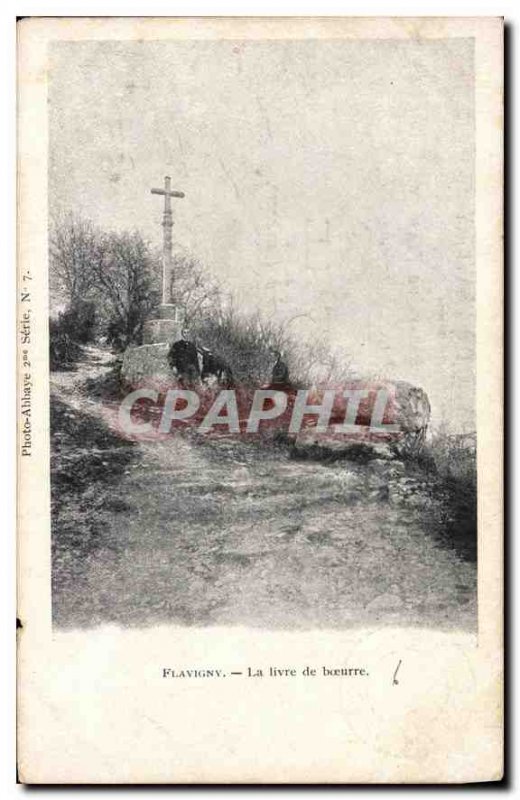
(260, 400)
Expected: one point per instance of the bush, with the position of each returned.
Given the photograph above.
(64, 351)
(79, 321)
(244, 342)
(122, 331)
(250, 343)
(73, 327)
(454, 455)
(453, 459)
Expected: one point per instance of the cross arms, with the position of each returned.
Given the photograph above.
(167, 192)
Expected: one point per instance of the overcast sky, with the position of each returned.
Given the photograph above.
(333, 179)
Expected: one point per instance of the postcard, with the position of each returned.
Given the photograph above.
(260, 404)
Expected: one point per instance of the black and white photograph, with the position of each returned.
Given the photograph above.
(264, 389)
(250, 215)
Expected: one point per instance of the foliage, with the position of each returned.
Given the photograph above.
(454, 455)
(126, 284)
(117, 272)
(63, 349)
(249, 343)
(79, 320)
(67, 332)
(73, 250)
(245, 342)
(453, 459)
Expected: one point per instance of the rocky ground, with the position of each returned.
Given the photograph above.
(206, 532)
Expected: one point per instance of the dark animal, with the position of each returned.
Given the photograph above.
(183, 357)
(215, 365)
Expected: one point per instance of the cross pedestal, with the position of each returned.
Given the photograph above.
(150, 360)
(166, 328)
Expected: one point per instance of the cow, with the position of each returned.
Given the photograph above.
(213, 365)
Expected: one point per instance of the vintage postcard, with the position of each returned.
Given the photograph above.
(260, 400)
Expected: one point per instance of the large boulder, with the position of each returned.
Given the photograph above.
(408, 409)
(146, 363)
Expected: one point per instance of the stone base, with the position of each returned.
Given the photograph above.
(159, 331)
(149, 361)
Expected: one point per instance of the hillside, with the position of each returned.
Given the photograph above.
(222, 531)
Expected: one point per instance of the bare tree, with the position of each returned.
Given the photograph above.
(73, 251)
(196, 291)
(126, 279)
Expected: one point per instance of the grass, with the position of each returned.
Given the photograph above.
(452, 459)
(86, 460)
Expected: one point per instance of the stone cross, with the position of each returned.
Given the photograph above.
(167, 224)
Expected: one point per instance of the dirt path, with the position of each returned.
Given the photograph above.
(225, 532)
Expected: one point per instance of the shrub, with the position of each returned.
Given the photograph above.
(79, 321)
(453, 459)
(245, 342)
(63, 349)
(454, 455)
(249, 344)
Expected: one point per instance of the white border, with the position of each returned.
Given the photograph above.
(9, 9)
